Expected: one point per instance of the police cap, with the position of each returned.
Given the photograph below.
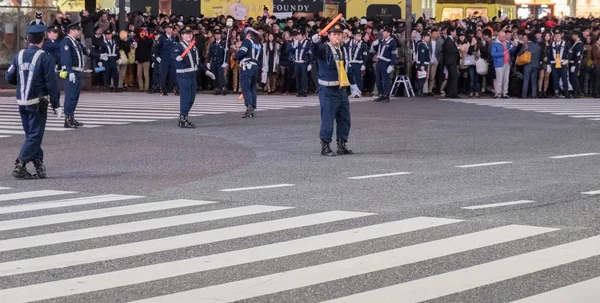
(186, 30)
(387, 29)
(54, 29)
(217, 31)
(168, 25)
(558, 31)
(337, 28)
(37, 28)
(74, 26)
(108, 32)
(357, 31)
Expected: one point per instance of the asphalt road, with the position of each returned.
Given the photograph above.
(443, 201)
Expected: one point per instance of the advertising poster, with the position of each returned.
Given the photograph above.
(331, 9)
(106, 4)
(239, 9)
(185, 7)
(145, 6)
(71, 5)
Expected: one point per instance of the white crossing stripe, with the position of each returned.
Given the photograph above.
(480, 275)
(149, 273)
(33, 194)
(98, 213)
(593, 192)
(4, 136)
(574, 156)
(2, 188)
(483, 164)
(257, 187)
(352, 267)
(583, 292)
(64, 203)
(176, 242)
(379, 175)
(497, 204)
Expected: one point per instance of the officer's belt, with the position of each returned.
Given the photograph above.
(31, 101)
(299, 61)
(112, 55)
(77, 69)
(247, 64)
(186, 70)
(356, 61)
(329, 83)
(384, 59)
(424, 62)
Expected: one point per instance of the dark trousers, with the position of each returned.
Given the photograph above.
(167, 74)
(248, 80)
(474, 80)
(111, 73)
(289, 77)
(301, 71)
(452, 86)
(557, 74)
(357, 73)
(334, 106)
(383, 78)
(33, 119)
(530, 76)
(155, 74)
(72, 91)
(574, 79)
(187, 92)
(219, 72)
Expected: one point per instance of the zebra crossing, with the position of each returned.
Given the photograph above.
(100, 109)
(588, 109)
(72, 247)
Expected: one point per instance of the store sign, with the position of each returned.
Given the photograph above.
(149, 7)
(185, 7)
(384, 12)
(239, 9)
(289, 6)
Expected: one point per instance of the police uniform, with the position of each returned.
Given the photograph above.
(575, 55)
(32, 71)
(109, 55)
(52, 47)
(250, 58)
(386, 50)
(333, 98)
(72, 59)
(186, 69)
(358, 52)
(165, 48)
(217, 52)
(423, 60)
(558, 56)
(155, 64)
(301, 54)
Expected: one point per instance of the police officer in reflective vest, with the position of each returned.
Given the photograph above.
(186, 68)
(33, 72)
(575, 55)
(358, 51)
(250, 58)
(52, 45)
(109, 54)
(386, 51)
(423, 59)
(558, 55)
(164, 48)
(217, 64)
(301, 52)
(72, 55)
(332, 90)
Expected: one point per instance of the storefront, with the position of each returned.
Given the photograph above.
(538, 11)
(560, 8)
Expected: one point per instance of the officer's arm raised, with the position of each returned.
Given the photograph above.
(243, 50)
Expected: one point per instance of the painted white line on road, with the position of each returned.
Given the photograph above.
(166, 270)
(379, 175)
(483, 164)
(498, 204)
(342, 269)
(3, 136)
(1, 188)
(98, 213)
(583, 292)
(257, 187)
(573, 156)
(591, 193)
(34, 194)
(64, 203)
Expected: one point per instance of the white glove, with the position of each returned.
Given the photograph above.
(99, 64)
(295, 43)
(309, 67)
(158, 59)
(572, 69)
(119, 62)
(72, 77)
(316, 38)
(134, 44)
(178, 59)
(354, 90)
(362, 68)
(104, 57)
(210, 75)
(152, 65)
(375, 43)
(564, 62)
(224, 65)
(390, 69)
(208, 65)
(58, 112)
(549, 69)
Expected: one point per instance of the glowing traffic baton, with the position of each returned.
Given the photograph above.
(331, 24)
(188, 49)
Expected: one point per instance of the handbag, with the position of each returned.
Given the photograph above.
(481, 66)
(524, 58)
(469, 60)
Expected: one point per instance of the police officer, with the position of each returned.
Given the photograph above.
(332, 93)
(155, 64)
(165, 48)
(186, 68)
(358, 51)
(423, 60)
(72, 54)
(558, 56)
(250, 58)
(52, 45)
(386, 50)
(217, 63)
(109, 54)
(575, 55)
(32, 71)
(301, 52)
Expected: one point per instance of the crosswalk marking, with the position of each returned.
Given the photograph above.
(583, 292)
(170, 243)
(481, 275)
(98, 213)
(574, 156)
(64, 203)
(3, 188)
(33, 194)
(148, 273)
(352, 267)
(497, 204)
(98, 109)
(575, 108)
(483, 164)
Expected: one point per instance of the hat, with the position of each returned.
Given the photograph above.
(216, 31)
(186, 30)
(36, 28)
(38, 15)
(251, 30)
(425, 34)
(387, 29)
(107, 32)
(337, 28)
(294, 32)
(54, 29)
(74, 26)
(557, 31)
(357, 31)
(168, 25)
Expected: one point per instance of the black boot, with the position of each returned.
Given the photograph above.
(77, 123)
(217, 92)
(20, 172)
(163, 92)
(342, 150)
(326, 150)
(249, 112)
(40, 169)
(385, 98)
(176, 91)
(378, 99)
(224, 92)
(70, 122)
(184, 122)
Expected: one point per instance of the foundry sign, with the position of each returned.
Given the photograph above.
(288, 6)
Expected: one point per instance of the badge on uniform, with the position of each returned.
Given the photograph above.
(66, 47)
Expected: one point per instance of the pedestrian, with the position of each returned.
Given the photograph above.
(71, 58)
(33, 72)
(250, 57)
(333, 83)
(186, 68)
